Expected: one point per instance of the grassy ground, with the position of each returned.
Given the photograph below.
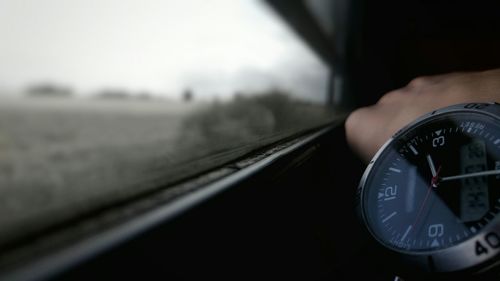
(62, 157)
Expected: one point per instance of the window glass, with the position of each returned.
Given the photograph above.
(101, 100)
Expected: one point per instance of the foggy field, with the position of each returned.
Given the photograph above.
(61, 157)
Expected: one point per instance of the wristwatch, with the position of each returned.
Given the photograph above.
(431, 195)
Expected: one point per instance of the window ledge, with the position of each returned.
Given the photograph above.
(86, 238)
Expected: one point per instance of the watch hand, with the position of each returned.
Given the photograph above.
(424, 203)
(470, 175)
(431, 165)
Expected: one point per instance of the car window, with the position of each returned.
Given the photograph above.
(101, 100)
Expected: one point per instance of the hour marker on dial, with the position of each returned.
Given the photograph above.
(413, 149)
(395, 170)
(389, 217)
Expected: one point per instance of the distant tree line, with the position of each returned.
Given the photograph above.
(49, 90)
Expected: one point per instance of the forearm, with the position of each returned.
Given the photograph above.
(369, 127)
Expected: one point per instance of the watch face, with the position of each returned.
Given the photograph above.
(436, 184)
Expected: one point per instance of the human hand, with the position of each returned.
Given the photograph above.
(368, 128)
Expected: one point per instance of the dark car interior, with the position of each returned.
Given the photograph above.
(287, 213)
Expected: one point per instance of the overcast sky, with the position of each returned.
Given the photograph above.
(215, 47)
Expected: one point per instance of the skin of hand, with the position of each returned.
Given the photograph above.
(368, 128)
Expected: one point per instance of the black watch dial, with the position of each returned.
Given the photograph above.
(436, 184)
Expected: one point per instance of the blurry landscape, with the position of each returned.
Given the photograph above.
(248, 119)
(101, 101)
(61, 155)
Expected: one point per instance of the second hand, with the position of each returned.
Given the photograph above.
(434, 182)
